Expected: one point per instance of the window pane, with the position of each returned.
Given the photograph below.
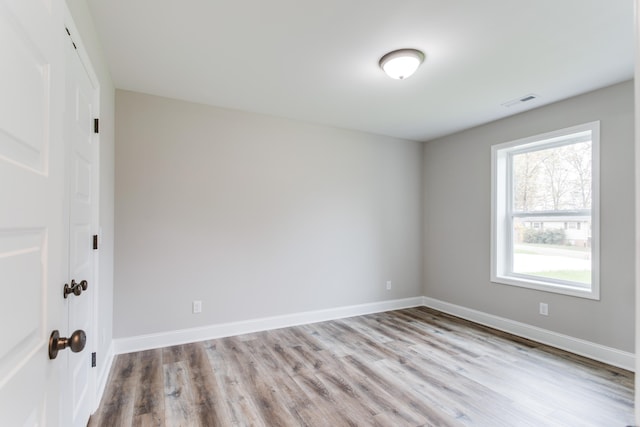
(554, 179)
(543, 248)
(551, 207)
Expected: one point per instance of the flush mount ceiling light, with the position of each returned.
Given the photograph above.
(401, 63)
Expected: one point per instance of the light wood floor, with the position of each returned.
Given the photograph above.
(413, 367)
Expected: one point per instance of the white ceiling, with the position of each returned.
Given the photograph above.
(317, 61)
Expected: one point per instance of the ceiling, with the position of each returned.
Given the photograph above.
(317, 61)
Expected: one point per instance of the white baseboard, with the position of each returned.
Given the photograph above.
(588, 349)
(103, 375)
(166, 339)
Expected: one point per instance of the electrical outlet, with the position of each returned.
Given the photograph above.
(544, 308)
(197, 307)
(388, 285)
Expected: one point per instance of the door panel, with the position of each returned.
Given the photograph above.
(25, 87)
(80, 113)
(33, 259)
(21, 255)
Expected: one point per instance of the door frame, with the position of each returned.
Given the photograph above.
(92, 335)
(637, 204)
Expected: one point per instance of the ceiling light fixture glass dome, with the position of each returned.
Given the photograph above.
(401, 63)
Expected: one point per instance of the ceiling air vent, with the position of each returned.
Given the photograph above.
(522, 100)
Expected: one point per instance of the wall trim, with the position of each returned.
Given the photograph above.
(103, 374)
(221, 330)
(609, 355)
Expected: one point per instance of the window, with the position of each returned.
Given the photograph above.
(545, 212)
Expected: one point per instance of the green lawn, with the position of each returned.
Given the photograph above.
(525, 251)
(580, 276)
(569, 247)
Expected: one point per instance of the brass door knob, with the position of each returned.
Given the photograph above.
(75, 342)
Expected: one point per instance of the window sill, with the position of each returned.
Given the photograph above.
(521, 282)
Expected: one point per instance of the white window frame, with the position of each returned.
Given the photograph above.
(501, 222)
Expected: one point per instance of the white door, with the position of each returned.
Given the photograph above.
(33, 235)
(80, 112)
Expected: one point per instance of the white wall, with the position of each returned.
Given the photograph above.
(84, 24)
(256, 216)
(457, 180)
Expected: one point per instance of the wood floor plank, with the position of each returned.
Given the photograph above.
(412, 367)
(385, 400)
(406, 394)
(304, 411)
(208, 401)
(147, 420)
(235, 398)
(309, 353)
(285, 355)
(258, 380)
(179, 401)
(173, 354)
(118, 403)
(327, 402)
(325, 339)
(149, 400)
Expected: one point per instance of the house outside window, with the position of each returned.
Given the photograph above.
(545, 212)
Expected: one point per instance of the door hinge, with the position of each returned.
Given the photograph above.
(93, 359)
(71, 38)
(95, 241)
(96, 125)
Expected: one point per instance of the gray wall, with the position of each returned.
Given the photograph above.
(457, 180)
(256, 216)
(84, 23)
